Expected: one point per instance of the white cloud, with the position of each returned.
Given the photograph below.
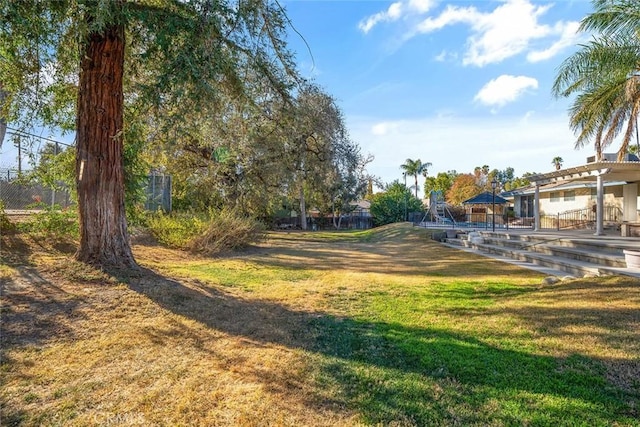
(508, 30)
(569, 36)
(396, 11)
(505, 89)
(446, 56)
(505, 32)
(391, 14)
(451, 15)
(421, 6)
(382, 128)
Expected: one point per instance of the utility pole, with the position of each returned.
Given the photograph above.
(19, 144)
(53, 189)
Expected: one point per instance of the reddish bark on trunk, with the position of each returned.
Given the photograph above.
(104, 240)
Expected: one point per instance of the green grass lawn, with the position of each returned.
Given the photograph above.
(383, 327)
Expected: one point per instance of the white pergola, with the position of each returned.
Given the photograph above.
(627, 173)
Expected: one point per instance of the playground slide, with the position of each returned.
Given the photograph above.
(435, 200)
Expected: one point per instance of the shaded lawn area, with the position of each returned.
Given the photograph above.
(384, 327)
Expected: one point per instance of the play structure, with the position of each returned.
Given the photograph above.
(438, 210)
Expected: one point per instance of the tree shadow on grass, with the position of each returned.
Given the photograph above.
(33, 308)
(603, 312)
(413, 261)
(391, 373)
(14, 251)
(395, 251)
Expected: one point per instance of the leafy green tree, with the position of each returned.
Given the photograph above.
(262, 156)
(414, 168)
(605, 77)
(55, 167)
(238, 158)
(441, 182)
(349, 182)
(518, 182)
(504, 176)
(318, 135)
(170, 58)
(392, 204)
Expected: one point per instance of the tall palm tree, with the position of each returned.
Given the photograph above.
(557, 162)
(605, 76)
(415, 168)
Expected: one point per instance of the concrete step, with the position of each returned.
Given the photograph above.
(591, 257)
(600, 244)
(573, 267)
(593, 254)
(601, 259)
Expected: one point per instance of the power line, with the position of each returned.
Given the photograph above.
(22, 132)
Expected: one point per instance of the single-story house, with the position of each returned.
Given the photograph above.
(606, 189)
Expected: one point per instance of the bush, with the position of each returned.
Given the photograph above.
(227, 230)
(5, 224)
(176, 230)
(393, 204)
(53, 220)
(207, 233)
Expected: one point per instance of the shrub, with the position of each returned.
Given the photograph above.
(175, 230)
(393, 204)
(53, 220)
(227, 230)
(206, 233)
(5, 224)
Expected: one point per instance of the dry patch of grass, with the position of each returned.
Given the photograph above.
(314, 329)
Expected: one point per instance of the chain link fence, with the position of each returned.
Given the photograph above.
(158, 192)
(20, 195)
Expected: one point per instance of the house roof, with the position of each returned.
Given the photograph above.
(362, 204)
(485, 198)
(628, 171)
(531, 189)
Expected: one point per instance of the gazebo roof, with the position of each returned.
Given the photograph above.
(485, 198)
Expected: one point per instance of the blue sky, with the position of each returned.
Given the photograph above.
(459, 84)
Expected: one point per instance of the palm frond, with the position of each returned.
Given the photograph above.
(604, 76)
(601, 59)
(614, 17)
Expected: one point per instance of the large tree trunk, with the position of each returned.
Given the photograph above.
(104, 240)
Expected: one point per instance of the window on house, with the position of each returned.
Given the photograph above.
(570, 196)
(554, 196)
(594, 193)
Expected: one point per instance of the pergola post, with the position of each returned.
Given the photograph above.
(536, 208)
(599, 206)
(630, 202)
